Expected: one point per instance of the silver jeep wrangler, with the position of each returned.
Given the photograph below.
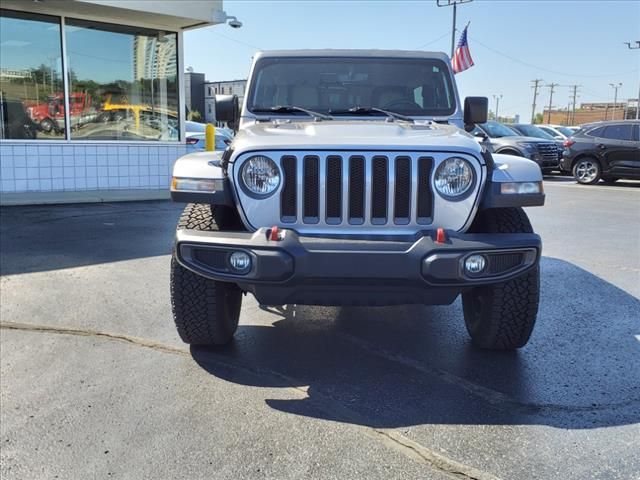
(352, 180)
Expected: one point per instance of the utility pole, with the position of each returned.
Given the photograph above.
(637, 104)
(615, 98)
(552, 87)
(454, 4)
(497, 98)
(573, 103)
(535, 82)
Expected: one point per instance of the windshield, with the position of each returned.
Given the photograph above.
(533, 131)
(565, 131)
(415, 86)
(497, 130)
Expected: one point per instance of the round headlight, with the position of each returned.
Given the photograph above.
(260, 175)
(454, 177)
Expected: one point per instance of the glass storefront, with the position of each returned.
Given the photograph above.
(31, 86)
(122, 81)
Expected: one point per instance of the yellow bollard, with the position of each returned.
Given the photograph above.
(209, 138)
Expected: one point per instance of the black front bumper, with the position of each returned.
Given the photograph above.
(363, 271)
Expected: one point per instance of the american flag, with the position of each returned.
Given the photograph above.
(462, 58)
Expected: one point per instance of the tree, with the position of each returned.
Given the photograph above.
(539, 118)
(194, 116)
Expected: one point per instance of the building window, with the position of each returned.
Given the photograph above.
(209, 108)
(31, 86)
(122, 82)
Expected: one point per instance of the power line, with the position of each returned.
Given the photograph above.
(435, 40)
(546, 69)
(536, 83)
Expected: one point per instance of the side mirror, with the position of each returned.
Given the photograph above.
(476, 110)
(227, 109)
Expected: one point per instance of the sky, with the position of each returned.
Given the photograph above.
(570, 42)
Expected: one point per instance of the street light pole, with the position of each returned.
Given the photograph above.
(637, 104)
(497, 98)
(615, 98)
(454, 4)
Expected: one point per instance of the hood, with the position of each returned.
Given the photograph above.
(519, 139)
(354, 134)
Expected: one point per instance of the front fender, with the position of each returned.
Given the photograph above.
(200, 178)
(512, 169)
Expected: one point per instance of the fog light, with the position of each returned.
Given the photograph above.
(475, 264)
(240, 261)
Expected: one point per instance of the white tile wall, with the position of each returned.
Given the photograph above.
(50, 167)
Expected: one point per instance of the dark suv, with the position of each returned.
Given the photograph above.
(505, 140)
(604, 150)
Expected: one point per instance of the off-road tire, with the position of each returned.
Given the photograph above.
(205, 312)
(502, 316)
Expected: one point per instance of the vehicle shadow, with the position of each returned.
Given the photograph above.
(404, 366)
(51, 237)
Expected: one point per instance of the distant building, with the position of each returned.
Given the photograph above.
(591, 112)
(228, 87)
(194, 92)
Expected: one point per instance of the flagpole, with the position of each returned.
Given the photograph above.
(453, 32)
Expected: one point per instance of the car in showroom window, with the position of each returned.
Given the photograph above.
(31, 86)
(123, 82)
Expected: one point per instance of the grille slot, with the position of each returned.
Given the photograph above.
(425, 195)
(288, 197)
(402, 200)
(311, 189)
(356, 190)
(379, 190)
(334, 189)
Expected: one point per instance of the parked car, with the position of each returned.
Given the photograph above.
(357, 204)
(197, 141)
(558, 132)
(193, 128)
(604, 150)
(529, 130)
(504, 140)
(15, 123)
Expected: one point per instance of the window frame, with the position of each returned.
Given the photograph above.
(24, 15)
(66, 92)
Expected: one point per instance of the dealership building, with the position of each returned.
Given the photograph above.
(92, 97)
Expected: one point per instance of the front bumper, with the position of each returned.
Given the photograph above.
(356, 271)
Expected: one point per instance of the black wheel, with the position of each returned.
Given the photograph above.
(502, 316)
(117, 116)
(205, 312)
(587, 171)
(46, 125)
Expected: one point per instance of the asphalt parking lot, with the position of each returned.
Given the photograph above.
(96, 384)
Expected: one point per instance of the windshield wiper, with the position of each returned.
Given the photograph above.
(292, 109)
(369, 110)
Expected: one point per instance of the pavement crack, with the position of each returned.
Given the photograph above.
(426, 455)
(82, 332)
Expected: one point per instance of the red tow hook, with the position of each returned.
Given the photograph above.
(274, 234)
(441, 237)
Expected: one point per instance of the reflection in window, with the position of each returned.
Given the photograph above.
(31, 87)
(123, 82)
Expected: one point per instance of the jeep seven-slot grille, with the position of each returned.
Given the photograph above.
(356, 189)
